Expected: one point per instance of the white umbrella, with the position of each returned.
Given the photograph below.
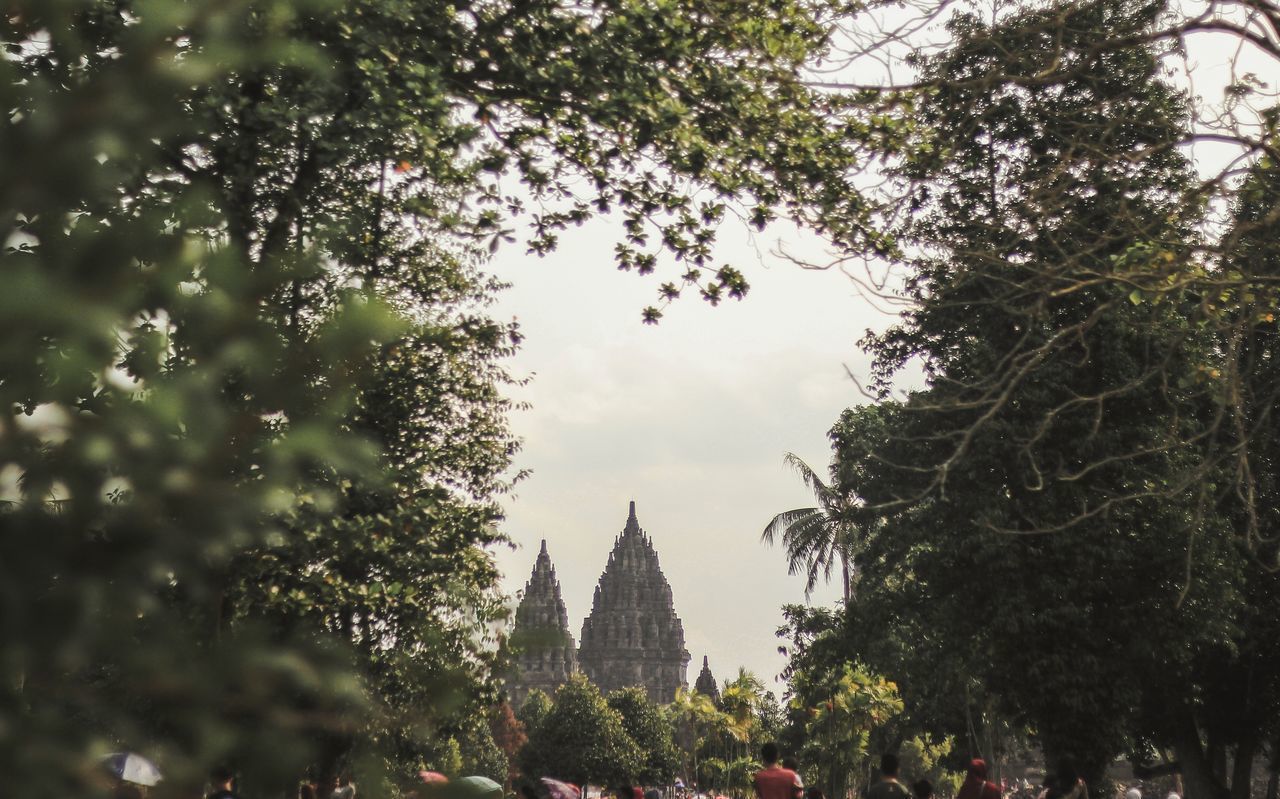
(132, 768)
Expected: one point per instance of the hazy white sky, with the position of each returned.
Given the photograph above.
(690, 418)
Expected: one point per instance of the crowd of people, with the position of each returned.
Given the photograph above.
(778, 779)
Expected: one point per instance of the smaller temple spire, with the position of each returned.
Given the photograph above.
(545, 654)
(706, 682)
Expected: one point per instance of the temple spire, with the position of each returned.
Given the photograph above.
(633, 524)
(706, 682)
(633, 635)
(545, 654)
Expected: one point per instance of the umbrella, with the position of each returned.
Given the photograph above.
(480, 785)
(431, 777)
(561, 790)
(132, 768)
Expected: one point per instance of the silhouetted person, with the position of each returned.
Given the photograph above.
(976, 785)
(922, 789)
(888, 787)
(793, 764)
(814, 793)
(1065, 783)
(773, 781)
(222, 784)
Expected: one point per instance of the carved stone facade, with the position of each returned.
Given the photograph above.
(706, 682)
(541, 635)
(632, 637)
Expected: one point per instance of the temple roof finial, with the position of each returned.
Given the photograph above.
(631, 514)
(543, 550)
(705, 664)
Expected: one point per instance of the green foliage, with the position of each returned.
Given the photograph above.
(581, 740)
(924, 758)
(841, 710)
(646, 725)
(697, 722)
(536, 707)
(481, 754)
(149, 387)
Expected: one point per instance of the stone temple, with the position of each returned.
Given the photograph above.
(541, 635)
(632, 636)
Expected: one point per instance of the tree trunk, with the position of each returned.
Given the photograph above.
(1273, 782)
(1242, 768)
(1197, 775)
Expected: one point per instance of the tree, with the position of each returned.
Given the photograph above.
(652, 733)
(581, 740)
(509, 734)
(536, 707)
(239, 292)
(815, 538)
(1089, 481)
(740, 702)
(697, 721)
(1227, 128)
(1047, 410)
(481, 754)
(843, 709)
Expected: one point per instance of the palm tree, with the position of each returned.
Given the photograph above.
(816, 538)
(740, 702)
(696, 719)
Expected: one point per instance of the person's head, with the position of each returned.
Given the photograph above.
(624, 791)
(769, 753)
(922, 789)
(527, 791)
(814, 793)
(791, 763)
(222, 777)
(888, 765)
(978, 768)
(1065, 777)
(307, 790)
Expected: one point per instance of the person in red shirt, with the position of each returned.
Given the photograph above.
(774, 781)
(976, 785)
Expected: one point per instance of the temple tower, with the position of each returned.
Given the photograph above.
(545, 654)
(706, 682)
(633, 635)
